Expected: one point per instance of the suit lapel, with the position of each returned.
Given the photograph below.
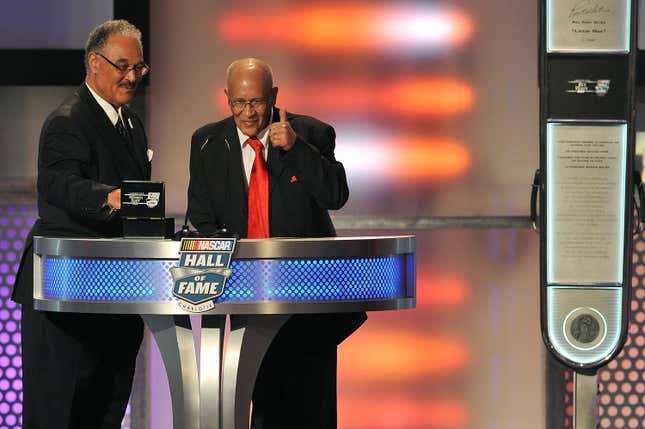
(274, 163)
(227, 176)
(122, 157)
(139, 146)
(108, 133)
(275, 167)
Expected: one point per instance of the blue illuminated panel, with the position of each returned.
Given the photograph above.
(315, 280)
(282, 280)
(108, 279)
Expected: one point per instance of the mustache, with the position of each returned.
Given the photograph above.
(128, 85)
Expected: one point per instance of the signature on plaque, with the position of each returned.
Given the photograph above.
(588, 8)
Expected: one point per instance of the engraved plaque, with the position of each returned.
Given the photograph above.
(586, 168)
(142, 199)
(587, 25)
(588, 88)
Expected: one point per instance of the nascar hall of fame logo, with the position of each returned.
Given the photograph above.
(202, 272)
(599, 87)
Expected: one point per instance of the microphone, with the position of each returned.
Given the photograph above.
(222, 229)
(185, 229)
(221, 232)
(206, 141)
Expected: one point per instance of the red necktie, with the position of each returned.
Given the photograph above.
(258, 215)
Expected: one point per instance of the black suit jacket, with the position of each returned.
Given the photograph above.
(303, 183)
(81, 158)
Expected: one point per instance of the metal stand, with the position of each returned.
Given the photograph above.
(210, 369)
(248, 342)
(220, 397)
(177, 348)
(585, 401)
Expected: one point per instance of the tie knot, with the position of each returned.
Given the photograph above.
(255, 144)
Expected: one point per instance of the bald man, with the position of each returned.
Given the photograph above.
(263, 172)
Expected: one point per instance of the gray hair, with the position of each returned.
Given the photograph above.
(99, 36)
(250, 63)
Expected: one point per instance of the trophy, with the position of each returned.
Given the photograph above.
(143, 210)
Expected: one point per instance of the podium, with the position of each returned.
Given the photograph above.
(271, 280)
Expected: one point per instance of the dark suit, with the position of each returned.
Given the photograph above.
(78, 368)
(296, 385)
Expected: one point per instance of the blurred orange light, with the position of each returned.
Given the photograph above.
(440, 292)
(348, 27)
(421, 98)
(430, 96)
(422, 159)
(402, 158)
(393, 411)
(383, 355)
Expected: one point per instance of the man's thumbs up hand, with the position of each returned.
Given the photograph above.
(281, 134)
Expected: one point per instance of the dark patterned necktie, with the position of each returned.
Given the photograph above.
(120, 128)
(258, 214)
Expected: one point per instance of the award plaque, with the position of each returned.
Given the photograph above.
(142, 199)
(591, 87)
(586, 168)
(143, 210)
(588, 25)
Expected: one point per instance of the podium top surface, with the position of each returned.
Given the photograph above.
(266, 276)
(149, 248)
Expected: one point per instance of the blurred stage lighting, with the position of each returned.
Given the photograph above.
(393, 97)
(437, 292)
(396, 411)
(349, 27)
(387, 355)
(380, 156)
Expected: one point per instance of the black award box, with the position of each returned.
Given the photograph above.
(143, 209)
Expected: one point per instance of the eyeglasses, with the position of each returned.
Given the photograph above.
(256, 104)
(140, 69)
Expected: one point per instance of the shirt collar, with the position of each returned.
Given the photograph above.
(112, 113)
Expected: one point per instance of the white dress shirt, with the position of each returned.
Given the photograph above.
(248, 154)
(112, 113)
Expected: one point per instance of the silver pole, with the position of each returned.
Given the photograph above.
(585, 401)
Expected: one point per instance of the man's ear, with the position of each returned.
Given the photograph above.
(92, 61)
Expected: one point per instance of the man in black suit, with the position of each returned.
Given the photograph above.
(78, 368)
(296, 384)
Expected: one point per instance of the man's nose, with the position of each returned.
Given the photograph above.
(131, 76)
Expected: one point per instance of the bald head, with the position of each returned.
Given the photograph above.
(249, 67)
